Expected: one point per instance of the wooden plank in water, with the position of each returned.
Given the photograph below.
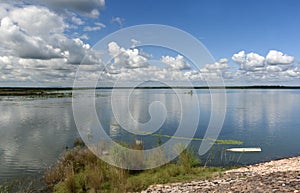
(245, 149)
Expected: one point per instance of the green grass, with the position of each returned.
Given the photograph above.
(79, 170)
(22, 185)
(168, 174)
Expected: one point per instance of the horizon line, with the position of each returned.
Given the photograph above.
(153, 87)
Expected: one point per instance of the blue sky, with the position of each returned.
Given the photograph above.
(253, 42)
(224, 26)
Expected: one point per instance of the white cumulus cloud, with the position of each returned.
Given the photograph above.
(126, 58)
(275, 57)
(276, 66)
(239, 57)
(221, 65)
(36, 32)
(15, 40)
(249, 62)
(178, 63)
(35, 48)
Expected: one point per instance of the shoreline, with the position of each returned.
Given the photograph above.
(282, 175)
(33, 91)
(44, 90)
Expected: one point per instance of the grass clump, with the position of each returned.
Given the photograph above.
(22, 185)
(79, 170)
(187, 158)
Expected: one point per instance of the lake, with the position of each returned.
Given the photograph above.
(34, 132)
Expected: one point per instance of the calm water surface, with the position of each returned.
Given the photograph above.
(34, 132)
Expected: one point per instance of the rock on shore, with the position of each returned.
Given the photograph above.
(274, 176)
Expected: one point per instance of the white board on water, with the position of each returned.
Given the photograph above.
(245, 149)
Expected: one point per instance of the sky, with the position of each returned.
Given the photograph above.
(44, 42)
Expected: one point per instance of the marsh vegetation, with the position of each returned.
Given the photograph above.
(79, 170)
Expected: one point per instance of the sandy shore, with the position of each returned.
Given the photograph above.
(274, 176)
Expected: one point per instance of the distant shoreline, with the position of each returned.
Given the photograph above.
(151, 87)
(20, 91)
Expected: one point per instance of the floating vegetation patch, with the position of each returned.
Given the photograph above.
(229, 142)
(217, 141)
